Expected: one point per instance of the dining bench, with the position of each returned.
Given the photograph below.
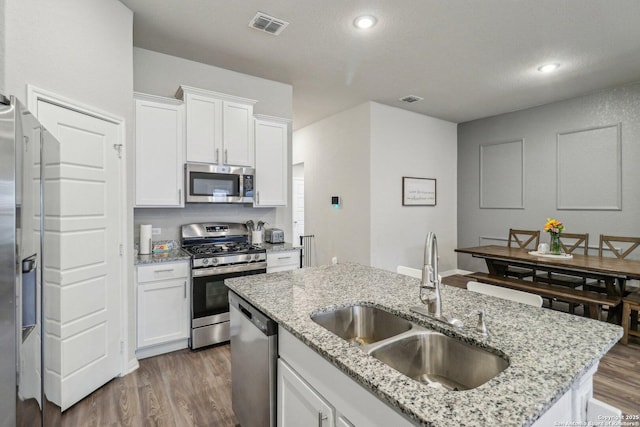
(592, 300)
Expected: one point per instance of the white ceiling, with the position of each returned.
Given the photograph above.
(468, 58)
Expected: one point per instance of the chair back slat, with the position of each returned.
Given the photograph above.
(523, 238)
(578, 239)
(609, 241)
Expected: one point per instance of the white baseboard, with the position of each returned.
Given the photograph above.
(454, 272)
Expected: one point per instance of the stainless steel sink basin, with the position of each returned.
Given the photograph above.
(433, 358)
(362, 325)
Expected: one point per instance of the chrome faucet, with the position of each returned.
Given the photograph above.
(430, 284)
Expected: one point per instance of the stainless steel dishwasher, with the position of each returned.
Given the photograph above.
(254, 357)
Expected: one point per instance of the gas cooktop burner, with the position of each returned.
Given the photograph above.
(222, 249)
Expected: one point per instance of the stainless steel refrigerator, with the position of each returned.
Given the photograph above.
(25, 146)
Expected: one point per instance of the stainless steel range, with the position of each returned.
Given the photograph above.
(218, 251)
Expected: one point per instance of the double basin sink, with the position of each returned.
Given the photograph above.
(422, 354)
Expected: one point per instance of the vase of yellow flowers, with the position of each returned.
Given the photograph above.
(554, 228)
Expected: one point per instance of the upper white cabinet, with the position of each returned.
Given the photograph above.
(271, 135)
(219, 127)
(159, 136)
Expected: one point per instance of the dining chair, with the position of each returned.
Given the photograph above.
(523, 239)
(631, 302)
(505, 293)
(570, 243)
(620, 246)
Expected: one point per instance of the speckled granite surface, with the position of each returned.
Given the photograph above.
(176, 254)
(277, 247)
(547, 350)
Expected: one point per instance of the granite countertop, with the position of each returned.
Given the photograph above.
(176, 254)
(277, 247)
(547, 350)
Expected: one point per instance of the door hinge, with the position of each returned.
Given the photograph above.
(121, 249)
(118, 148)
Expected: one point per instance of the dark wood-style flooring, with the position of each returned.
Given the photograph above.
(186, 388)
(183, 388)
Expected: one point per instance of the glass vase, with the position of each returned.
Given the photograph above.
(554, 244)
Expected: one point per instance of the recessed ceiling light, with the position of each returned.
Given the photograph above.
(365, 22)
(547, 68)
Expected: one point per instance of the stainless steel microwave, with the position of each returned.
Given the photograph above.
(218, 184)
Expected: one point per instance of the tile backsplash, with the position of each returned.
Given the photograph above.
(169, 220)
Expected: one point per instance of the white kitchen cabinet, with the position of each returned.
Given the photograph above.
(271, 142)
(163, 315)
(159, 136)
(219, 127)
(298, 403)
(283, 260)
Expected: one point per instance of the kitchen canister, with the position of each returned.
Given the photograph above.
(257, 237)
(145, 239)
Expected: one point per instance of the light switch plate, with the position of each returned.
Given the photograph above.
(156, 231)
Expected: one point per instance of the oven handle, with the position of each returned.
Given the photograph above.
(214, 271)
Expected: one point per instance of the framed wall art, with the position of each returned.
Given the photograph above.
(418, 191)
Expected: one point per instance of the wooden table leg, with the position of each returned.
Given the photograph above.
(496, 268)
(626, 313)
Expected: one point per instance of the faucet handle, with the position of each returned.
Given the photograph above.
(481, 326)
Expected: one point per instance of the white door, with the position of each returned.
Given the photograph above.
(84, 323)
(298, 209)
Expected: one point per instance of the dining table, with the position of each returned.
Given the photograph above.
(613, 272)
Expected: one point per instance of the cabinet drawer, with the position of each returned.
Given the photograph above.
(283, 258)
(162, 271)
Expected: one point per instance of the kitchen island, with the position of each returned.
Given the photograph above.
(549, 353)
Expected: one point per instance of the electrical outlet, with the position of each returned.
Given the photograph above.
(156, 231)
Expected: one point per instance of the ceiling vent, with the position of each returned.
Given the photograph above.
(411, 98)
(268, 24)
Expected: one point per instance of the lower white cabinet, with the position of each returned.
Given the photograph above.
(283, 260)
(312, 386)
(298, 403)
(163, 315)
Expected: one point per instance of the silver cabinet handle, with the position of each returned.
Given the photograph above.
(258, 197)
(185, 289)
(321, 418)
(217, 154)
(225, 157)
(167, 270)
(284, 257)
(179, 195)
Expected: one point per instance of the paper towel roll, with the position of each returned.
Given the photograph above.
(145, 239)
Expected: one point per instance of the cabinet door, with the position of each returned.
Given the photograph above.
(237, 140)
(271, 163)
(204, 128)
(159, 146)
(298, 403)
(163, 312)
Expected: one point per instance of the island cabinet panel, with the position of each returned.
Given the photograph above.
(298, 403)
(353, 404)
(271, 184)
(163, 316)
(159, 136)
(219, 127)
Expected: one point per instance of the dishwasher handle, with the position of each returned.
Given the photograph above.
(266, 325)
(246, 312)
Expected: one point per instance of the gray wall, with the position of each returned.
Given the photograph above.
(546, 131)
(159, 74)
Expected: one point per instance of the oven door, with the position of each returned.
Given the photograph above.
(210, 297)
(218, 184)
